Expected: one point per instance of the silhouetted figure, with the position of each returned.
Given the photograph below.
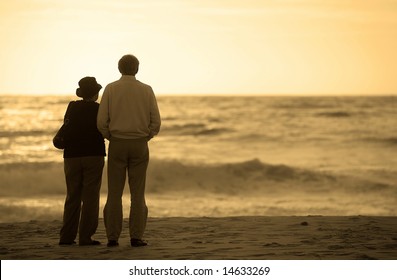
(128, 117)
(83, 165)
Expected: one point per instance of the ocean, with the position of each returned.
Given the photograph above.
(221, 156)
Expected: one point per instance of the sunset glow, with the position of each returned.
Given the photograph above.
(225, 47)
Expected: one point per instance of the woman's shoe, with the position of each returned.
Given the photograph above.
(63, 243)
(137, 242)
(90, 243)
(113, 243)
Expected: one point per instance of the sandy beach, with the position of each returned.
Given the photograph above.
(255, 237)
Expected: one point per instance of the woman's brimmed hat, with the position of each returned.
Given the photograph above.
(88, 87)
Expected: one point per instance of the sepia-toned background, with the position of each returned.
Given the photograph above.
(269, 107)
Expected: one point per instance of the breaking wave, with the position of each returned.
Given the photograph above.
(334, 114)
(164, 176)
(37, 191)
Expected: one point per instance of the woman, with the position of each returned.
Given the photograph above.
(83, 165)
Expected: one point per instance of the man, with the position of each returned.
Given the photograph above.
(128, 117)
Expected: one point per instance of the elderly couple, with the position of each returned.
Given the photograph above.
(128, 116)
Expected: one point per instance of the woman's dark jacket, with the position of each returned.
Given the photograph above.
(82, 137)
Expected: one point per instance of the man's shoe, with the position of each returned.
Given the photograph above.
(90, 243)
(137, 242)
(112, 243)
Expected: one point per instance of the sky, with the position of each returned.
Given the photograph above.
(202, 46)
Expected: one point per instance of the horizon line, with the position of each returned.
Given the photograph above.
(219, 94)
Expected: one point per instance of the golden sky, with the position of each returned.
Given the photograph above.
(203, 46)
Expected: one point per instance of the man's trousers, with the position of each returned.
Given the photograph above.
(126, 156)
